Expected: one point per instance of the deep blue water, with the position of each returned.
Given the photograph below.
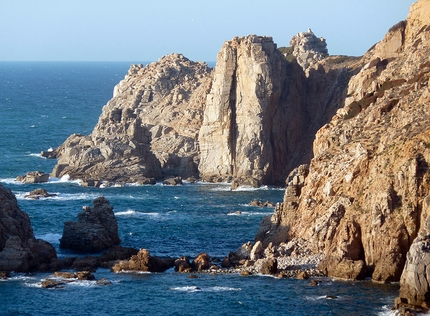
(41, 104)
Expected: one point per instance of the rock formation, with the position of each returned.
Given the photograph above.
(308, 49)
(19, 250)
(143, 262)
(147, 130)
(33, 177)
(250, 121)
(95, 230)
(365, 196)
(258, 120)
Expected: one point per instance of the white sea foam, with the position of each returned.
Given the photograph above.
(51, 238)
(191, 289)
(63, 179)
(133, 213)
(36, 155)
(10, 181)
(249, 213)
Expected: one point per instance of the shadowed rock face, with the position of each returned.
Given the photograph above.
(19, 250)
(365, 197)
(95, 230)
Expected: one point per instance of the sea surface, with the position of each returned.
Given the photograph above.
(41, 104)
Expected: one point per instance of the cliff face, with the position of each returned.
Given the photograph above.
(19, 250)
(148, 129)
(251, 120)
(365, 196)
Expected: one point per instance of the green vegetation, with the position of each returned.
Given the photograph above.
(288, 53)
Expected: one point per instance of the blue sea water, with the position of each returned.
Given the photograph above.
(41, 104)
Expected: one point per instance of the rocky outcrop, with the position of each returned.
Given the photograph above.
(366, 194)
(250, 121)
(147, 130)
(33, 177)
(259, 121)
(308, 49)
(143, 262)
(19, 250)
(39, 193)
(95, 230)
(415, 280)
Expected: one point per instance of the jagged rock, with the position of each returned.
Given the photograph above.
(267, 266)
(243, 253)
(308, 49)
(256, 251)
(173, 181)
(147, 130)
(366, 194)
(19, 250)
(51, 284)
(143, 262)
(33, 177)
(38, 193)
(182, 264)
(414, 282)
(95, 230)
(226, 263)
(201, 262)
(304, 275)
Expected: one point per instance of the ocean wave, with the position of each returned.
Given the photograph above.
(242, 213)
(64, 179)
(60, 196)
(191, 289)
(50, 237)
(133, 213)
(10, 181)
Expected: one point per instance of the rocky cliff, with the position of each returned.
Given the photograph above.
(20, 251)
(365, 195)
(147, 130)
(250, 121)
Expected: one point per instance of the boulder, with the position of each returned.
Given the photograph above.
(267, 266)
(38, 193)
(182, 264)
(143, 262)
(257, 251)
(20, 251)
(33, 177)
(173, 181)
(95, 230)
(201, 262)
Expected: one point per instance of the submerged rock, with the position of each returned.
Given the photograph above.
(38, 193)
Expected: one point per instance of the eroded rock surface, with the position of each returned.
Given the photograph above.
(20, 251)
(366, 194)
(95, 230)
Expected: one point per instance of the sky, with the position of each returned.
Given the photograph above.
(145, 30)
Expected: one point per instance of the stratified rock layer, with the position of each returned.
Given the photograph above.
(366, 195)
(19, 250)
(95, 230)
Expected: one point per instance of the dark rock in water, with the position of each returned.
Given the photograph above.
(226, 263)
(182, 265)
(38, 193)
(33, 177)
(118, 253)
(85, 275)
(201, 262)
(304, 275)
(269, 266)
(90, 263)
(173, 181)
(49, 154)
(4, 275)
(95, 230)
(103, 281)
(91, 183)
(151, 181)
(143, 262)
(50, 284)
(20, 251)
(261, 203)
(314, 282)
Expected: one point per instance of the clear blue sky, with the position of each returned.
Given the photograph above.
(145, 30)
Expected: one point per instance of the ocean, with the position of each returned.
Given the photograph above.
(41, 104)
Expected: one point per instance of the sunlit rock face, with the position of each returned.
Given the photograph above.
(365, 197)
